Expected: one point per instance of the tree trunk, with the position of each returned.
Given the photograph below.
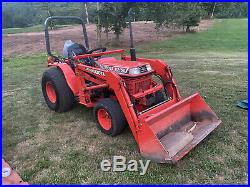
(107, 35)
(51, 24)
(212, 14)
(98, 27)
(50, 13)
(117, 39)
(86, 12)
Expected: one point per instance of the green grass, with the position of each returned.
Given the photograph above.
(226, 35)
(36, 28)
(47, 147)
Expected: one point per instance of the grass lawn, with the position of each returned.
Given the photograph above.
(36, 28)
(47, 147)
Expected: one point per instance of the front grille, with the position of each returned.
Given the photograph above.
(142, 85)
(136, 85)
(143, 69)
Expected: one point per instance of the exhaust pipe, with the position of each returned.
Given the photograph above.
(132, 49)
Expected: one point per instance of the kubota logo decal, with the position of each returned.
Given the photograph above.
(97, 72)
(116, 69)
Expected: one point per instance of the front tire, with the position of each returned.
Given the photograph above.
(110, 118)
(56, 91)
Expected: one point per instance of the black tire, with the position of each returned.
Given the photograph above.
(64, 96)
(159, 97)
(118, 121)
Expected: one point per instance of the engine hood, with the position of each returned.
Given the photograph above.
(111, 61)
(121, 66)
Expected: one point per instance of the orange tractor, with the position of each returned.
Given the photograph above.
(137, 92)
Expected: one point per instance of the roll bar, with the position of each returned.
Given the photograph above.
(46, 25)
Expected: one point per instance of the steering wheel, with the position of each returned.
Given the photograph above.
(100, 49)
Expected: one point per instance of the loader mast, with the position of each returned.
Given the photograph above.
(132, 49)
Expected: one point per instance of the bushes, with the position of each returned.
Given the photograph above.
(164, 14)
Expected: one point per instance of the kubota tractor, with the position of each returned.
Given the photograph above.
(138, 92)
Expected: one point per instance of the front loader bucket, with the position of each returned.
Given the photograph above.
(169, 132)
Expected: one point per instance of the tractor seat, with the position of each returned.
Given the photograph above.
(72, 49)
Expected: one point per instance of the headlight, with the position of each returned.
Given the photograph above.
(149, 68)
(134, 71)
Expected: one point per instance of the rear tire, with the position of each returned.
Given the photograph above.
(110, 118)
(56, 91)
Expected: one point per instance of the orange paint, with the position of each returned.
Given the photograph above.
(152, 127)
(13, 178)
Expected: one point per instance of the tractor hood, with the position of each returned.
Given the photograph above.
(124, 67)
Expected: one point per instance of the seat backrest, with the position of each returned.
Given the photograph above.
(71, 49)
(76, 49)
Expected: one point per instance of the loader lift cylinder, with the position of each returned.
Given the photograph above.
(132, 49)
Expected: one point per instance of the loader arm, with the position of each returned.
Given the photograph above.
(117, 84)
(149, 145)
(167, 132)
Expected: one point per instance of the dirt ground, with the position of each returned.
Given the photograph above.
(33, 43)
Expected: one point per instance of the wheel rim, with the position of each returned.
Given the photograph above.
(50, 91)
(104, 119)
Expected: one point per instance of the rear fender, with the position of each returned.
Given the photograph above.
(72, 80)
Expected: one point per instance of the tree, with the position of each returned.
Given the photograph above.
(47, 8)
(86, 12)
(164, 14)
(113, 17)
(209, 8)
(104, 16)
(98, 26)
(191, 15)
(174, 14)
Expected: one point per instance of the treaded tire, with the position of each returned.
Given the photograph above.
(64, 96)
(118, 121)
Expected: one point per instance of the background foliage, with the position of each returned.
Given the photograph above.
(15, 15)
